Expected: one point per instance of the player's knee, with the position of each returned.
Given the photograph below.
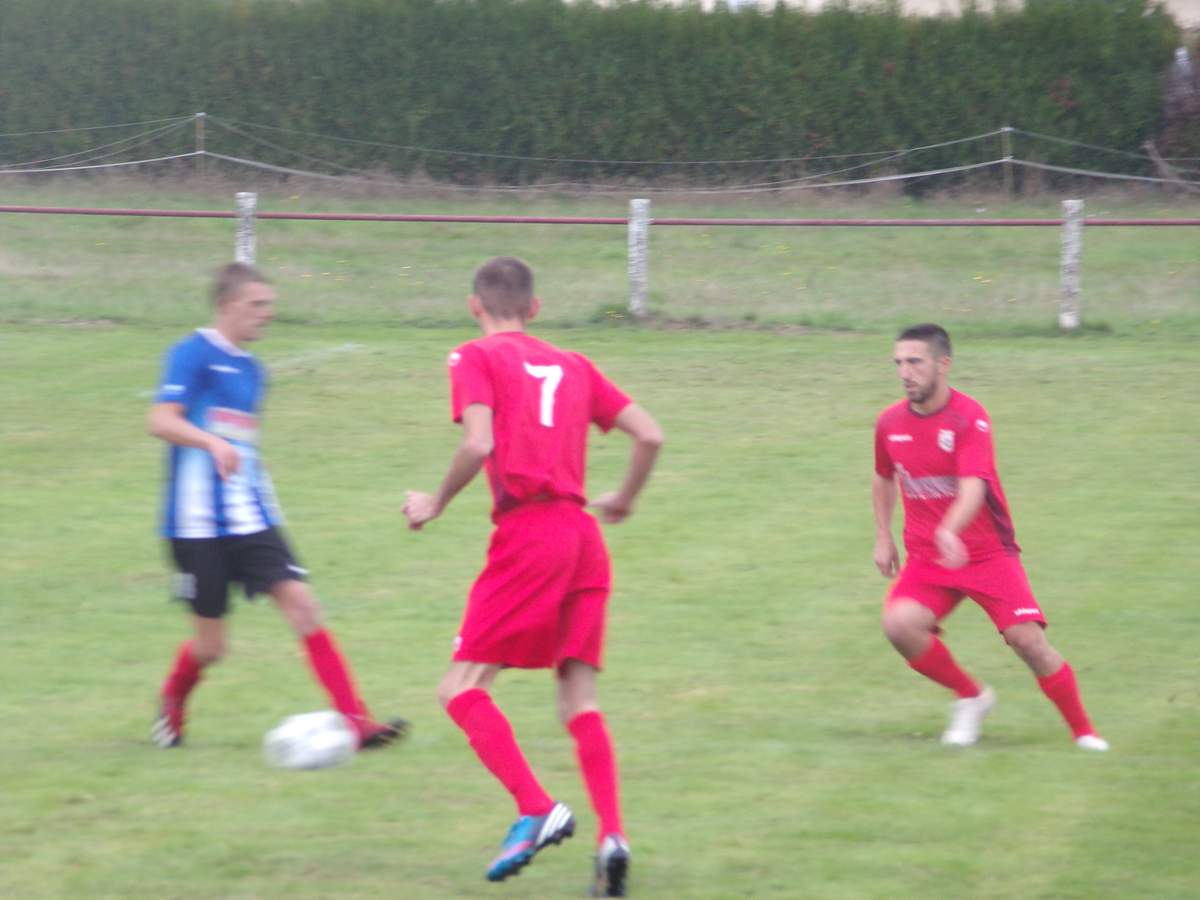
(1028, 641)
(208, 652)
(300, 607)
(900, 628)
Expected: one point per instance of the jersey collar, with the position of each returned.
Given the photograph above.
(219, 340)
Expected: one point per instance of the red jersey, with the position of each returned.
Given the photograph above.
(930, 453)
(542, 399)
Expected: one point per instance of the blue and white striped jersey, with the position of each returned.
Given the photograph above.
(221, 388)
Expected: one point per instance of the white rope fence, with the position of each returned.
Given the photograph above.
(93, 159)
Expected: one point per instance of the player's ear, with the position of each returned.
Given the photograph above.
(475, 305)
(535, 306)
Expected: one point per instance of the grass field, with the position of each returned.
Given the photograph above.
(772, 744)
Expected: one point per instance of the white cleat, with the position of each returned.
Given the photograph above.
(966, 718)
(1091, 742)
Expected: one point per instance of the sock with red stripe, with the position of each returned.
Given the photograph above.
(491, 737)
(938, 665)
(333, 672)
(598, 763)
(1063, 691)
(185, 673)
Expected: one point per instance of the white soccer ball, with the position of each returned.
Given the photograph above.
(314, 740)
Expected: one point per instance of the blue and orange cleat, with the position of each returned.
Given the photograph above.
(528, 835)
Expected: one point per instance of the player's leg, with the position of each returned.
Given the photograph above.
(201, 581)
(463, 692)
(580, 713)
(912, 629)
(302, 610)
(581, 630)
(910, 616)
(1056, 678)
(1002, 588)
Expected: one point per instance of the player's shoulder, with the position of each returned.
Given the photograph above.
(967, 406)
(191, 346)
(969, 412)
(892, 413)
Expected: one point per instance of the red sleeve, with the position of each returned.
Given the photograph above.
(976, 456)
(884, 467)
(470, 380)
(607, 399)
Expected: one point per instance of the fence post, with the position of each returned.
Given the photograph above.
(200, 117)
(245, 245)
(1006, 154)
(639, 276)
(1072, 248)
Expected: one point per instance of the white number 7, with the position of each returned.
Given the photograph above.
(550, 377)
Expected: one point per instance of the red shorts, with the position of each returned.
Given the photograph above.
(542, 597)
(998, 585)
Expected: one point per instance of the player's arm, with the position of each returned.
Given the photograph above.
(168, 422)
(474, 448)
(647, 441)
(883, 498)
(971, 493)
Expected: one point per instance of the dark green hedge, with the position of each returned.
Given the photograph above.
(537, 78)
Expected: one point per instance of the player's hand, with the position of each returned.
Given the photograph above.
(887, 559)
(226, 457)
(953, 552)
(612, 507)
(419, 508)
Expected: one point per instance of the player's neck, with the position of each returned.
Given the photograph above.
(492, 326)
(935, 404)
(226, 331)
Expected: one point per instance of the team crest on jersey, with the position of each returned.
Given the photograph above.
(454, 359)
(946, 439)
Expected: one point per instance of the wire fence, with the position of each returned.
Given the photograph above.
(202, 139)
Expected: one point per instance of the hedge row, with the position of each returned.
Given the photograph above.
(540, 78)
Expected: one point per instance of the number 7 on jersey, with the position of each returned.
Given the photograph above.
(550, 377)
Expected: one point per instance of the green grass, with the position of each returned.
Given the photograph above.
(985, 280)
(771, 743)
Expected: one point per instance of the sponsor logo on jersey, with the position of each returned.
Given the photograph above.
(454, 359)
(946, 440)
(900, 437)
(933, 487)
(233, 425)
(230, 370)
(982, 425)
(1027, 611)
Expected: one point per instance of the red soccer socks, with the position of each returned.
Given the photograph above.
(598, 763)
(1063, 691)
(491, 737)
(938, 665)
(183, 677)
(331, 670)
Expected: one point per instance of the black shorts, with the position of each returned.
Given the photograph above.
(206, 566)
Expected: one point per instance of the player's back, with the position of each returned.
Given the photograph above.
(543, 399)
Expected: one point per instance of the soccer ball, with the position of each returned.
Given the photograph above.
(314, 740)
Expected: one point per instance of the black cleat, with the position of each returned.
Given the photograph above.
(385, 733)
(612, 867)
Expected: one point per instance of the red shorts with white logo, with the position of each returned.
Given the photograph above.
(999, 585)
(542, 597)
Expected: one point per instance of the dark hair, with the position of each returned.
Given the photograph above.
(933, 335)
(505, 287)
(231, 278)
